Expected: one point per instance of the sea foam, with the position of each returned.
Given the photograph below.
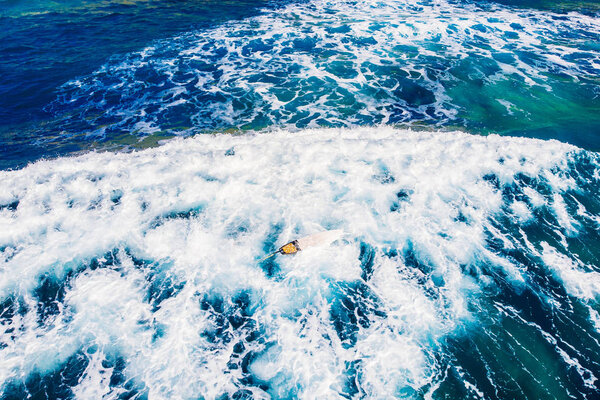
(141, 270)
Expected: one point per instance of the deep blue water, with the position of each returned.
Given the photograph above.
(45, 44)
(454, 142)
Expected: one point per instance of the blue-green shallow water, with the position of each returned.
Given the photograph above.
(470, 268)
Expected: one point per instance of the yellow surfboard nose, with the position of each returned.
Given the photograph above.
(290, 248)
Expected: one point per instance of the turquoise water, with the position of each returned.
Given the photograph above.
(454, 142)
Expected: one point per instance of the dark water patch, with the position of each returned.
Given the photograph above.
(270, 244)
(538, 183)
(306, 44)
(419, 270)
(518, 358)
(271, 268)
(11, 307)
(256, 46)
(242, 360)
(414, 94)
(159, 331)
(243, 394)
(113, 259)
(189, 213)
(412, 260)
(577, 336)
(527, 304)
(137, 261)
(471, 367)
(56, 384)
(546, 229)
(50, 295)
(342, 69)
(403, 195)
(513, 192)
(584, 168)
(162, 284)
(584, 245)
(384, 178)
(110, 259)
(461, 217)
(238, 356)
(544, 226)
(518, 254)
(234, 326)
(95, 203)
(231, 318)
(215, 306)
(543, 300)
(493, 180)
(248, 379)
(11, 206)
(351, 389)
(115, 196)
(453, 385)
(8, 252)
(391, 253)
(119, 381)
(355, 306)
(367, 260)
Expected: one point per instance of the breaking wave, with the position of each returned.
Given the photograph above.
(468, 268)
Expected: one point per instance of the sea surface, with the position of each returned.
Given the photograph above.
(153, 152)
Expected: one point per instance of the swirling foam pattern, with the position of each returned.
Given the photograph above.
(468, 269)
(340, 63)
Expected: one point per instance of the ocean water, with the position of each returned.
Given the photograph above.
(152, 153)
(104, 76)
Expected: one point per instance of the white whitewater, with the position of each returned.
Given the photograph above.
(198, 213)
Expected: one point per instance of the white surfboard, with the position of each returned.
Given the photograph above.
(324, 238)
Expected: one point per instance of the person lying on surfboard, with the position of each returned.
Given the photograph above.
(318, 239)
